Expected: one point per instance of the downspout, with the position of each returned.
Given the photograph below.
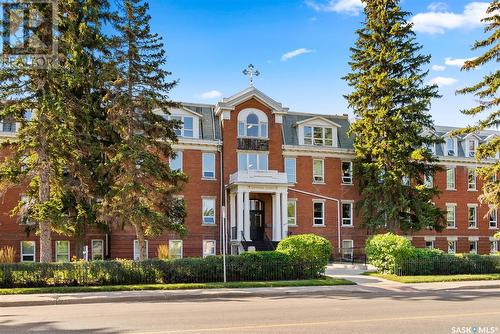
(223, 201)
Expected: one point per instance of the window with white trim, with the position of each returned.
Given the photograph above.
(428, 181)
(471, 179)
(136, 249)
(208, 211)
(97, 249)
(493, 246)
(208, 248)
(175, 249)
(452, 246)
(347, 249)
(471, 147)
(176, 163)
(62, 251)
(493, 218)
(450, 147)
(347, 214)
(347, 172)
(473, 246)
(450, 178)
(318, 136)
(472, 215)
(252, 161)
(318, 171)
(208, 165)
(429, 244)
(318, 213)
(450, 215)
(187, 126)
(292, 212)
(291, 170)
(28, 251)
(252, 127)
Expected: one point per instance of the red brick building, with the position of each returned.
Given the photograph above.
(258, 172)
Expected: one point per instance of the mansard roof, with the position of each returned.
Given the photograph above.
(209, 124)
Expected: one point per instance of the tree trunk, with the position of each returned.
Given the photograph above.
(43, 197)
(141, 241)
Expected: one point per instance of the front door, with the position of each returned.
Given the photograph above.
(256, 220)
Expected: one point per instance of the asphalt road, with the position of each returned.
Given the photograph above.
(456, 311)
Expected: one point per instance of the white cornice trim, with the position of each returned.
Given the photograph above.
(197, 144)
(315, 151)
(245, 95)
(308, 120)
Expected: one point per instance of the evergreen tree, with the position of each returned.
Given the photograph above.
(143, 187)
(486, 92)
(391, 103)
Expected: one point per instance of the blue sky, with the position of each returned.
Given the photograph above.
(209, 43)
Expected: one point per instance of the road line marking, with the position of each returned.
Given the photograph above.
(319, 323)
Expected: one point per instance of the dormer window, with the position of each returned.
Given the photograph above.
(471, 147)
(318, 136)
(450, 147)
(252, 126)
(186, 130)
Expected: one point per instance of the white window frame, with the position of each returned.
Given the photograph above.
(449, 185)
(294, 218)
(447, 150)
(454, 207)
(474, 218)
(263, 124)
(208, 169)
(258, 157)
(319, 178)
(476, 244)
(92, 248)
(493, 218)
(471, 186)
(454, 249)
(136, 249)
(291, 175)
(428, 181)
(23, 253)
(57, 254)
(312, 139)
(322, 218)
(182, 130)
(431, 244)
(203, 216)
(350, 220)
(471, 153)
(214, 248)
(179, 156)
(171, 246)
(349, 178)
(493, 247)
(348, 252)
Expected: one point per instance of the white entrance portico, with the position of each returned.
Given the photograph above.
(241, 185)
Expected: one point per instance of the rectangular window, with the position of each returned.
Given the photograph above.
(471, 147)
(318, 171)
(429, 244)
(450, 147)
(98, 249)
(208, 165)
(471, 177)
(186, 129)
(318, 213)
(308, 135)
(473, 246)
(208, 211)
(28, 251)
(428, 181)
(318, 136)
(62, 251)
(492, 217)
(493, 246)
(347, 214)
(175, 249)
(319, 139)
(292, 212)
(328, 137)
(290, 169)
(347, 172)
(252, 161)
(136, 249)
(452, 246)
(450, 178)
(176, 163)
(450, 216)
(208, 248)
(472, 216)
(347, 249)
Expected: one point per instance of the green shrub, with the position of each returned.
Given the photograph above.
(383, 249)
(309, 249)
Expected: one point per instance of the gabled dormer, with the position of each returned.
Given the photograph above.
(450, 145)
(318, 131)
(190, 122)
(489, 139)
(471, 142)
(430, 147)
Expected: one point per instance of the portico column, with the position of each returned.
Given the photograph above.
(276, 217)
(284, 214)
(232, 213)
(239, 221)
(246, 214)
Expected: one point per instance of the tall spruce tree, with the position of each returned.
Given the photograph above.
(49, 143)
(143, 187)
(391, 102)
(486, 93)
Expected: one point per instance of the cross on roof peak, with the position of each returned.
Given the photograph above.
(251, 72)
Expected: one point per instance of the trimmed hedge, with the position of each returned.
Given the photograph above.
(307, 248)
(258, 266)
(383, 249)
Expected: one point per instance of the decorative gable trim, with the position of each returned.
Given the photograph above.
(251, 92)
(323, 119)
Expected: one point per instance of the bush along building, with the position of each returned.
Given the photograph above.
(259, 172)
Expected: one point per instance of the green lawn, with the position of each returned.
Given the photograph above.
(435, 278)
(325, 281)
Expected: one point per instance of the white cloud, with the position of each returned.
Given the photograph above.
(352, 7)
(295, 53)
(438, 68)
(437, 21)
(212, 94)
(456, 61)
(443, 81)
(437, 7)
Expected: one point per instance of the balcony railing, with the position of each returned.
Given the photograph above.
(253, 144)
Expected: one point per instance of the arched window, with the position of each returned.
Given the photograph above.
(252, 126)
(252, 123)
